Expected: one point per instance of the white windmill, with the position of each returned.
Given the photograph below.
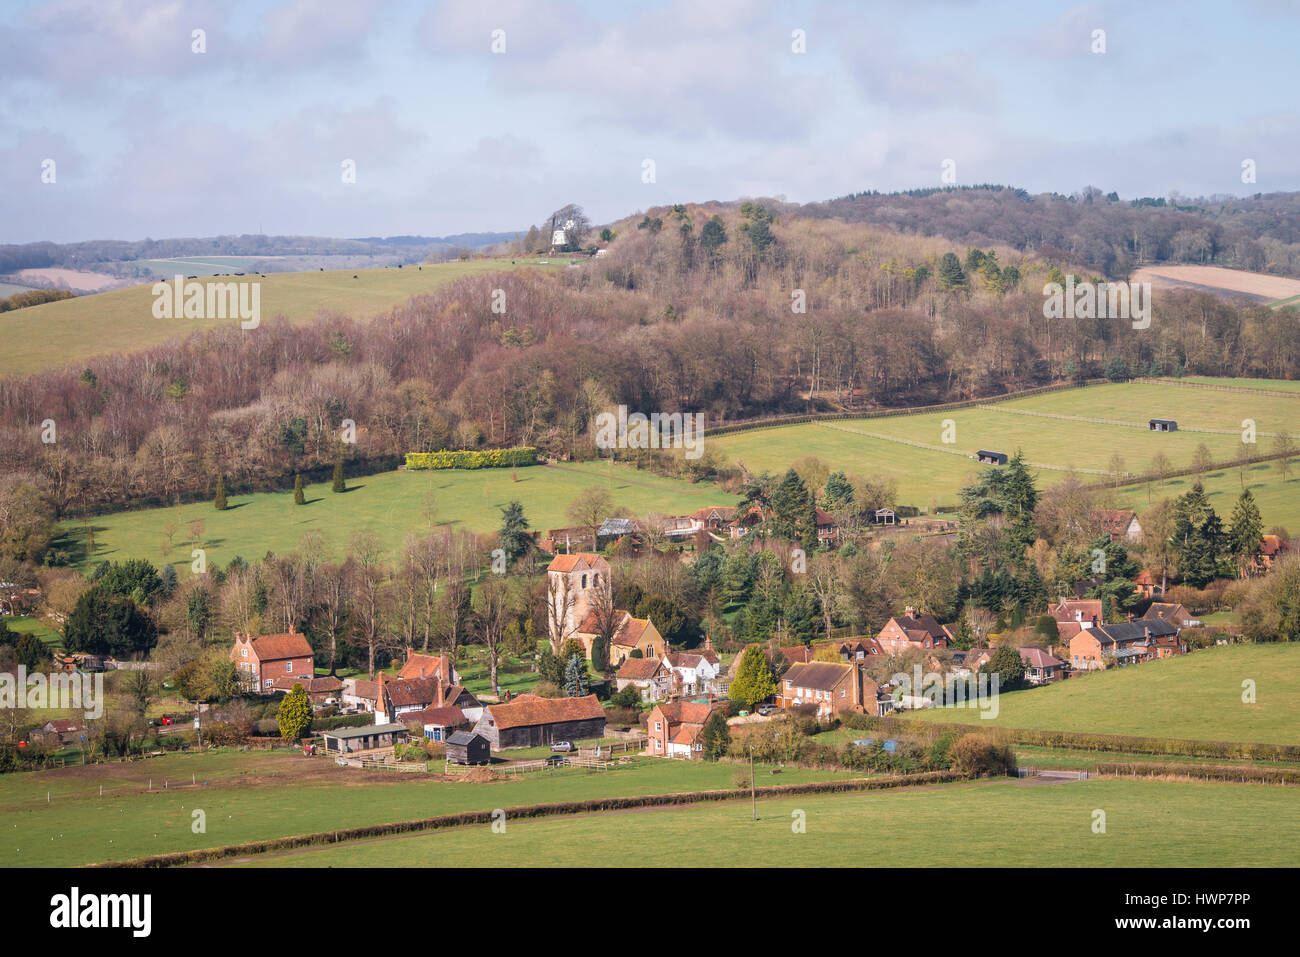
(559, 235)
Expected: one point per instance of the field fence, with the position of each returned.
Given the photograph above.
(1120, 422)
(1218, 388)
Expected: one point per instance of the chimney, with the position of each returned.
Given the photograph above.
(291, 631)
(444, 665)
(909, 611)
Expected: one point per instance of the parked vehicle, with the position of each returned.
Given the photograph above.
(556, 761)
(765, 709)
(562, 746)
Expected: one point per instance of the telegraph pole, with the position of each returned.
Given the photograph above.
(753, 794)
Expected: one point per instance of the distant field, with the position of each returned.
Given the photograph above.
(1272, 385)
(1217, 278)
(24, 625)
(391, 503)
(59, 333)
(1278, 500)
(8, 289)
(1195, 697)
(254, 796)
(1052, 429)
(1148, 824)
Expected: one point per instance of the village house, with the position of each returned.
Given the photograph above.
(261, 660)
(400, 696)
(1274, 547)
(1126, 643)
(359, 694)
(59, 732)
(907, 631)
(828, 530)
(437, 723)
(1145, 584)
(1120, 524)
(1175, 614)
(649, 675)
(321, 692)
(528, 721)
(694, 672)
(831, 686)
(674, 728)
(429, 666)
(1041, 667)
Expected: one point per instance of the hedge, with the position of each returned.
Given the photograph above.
(467, 818)
(1201, 772)
(473, 458)
(1087, 741)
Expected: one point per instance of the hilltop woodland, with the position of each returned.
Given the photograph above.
(732, 311)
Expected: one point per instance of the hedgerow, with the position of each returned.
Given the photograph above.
(473, 458)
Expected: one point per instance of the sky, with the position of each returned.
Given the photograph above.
(487, 115)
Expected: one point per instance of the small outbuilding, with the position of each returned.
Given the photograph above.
(991, 458)
(1162, 425)
(884, 516)
(466, 747)
(366, 738)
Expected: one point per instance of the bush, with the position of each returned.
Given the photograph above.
(976, 754)
(473, 458)
(547, 689)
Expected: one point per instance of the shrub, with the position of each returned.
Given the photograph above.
(976, 754)
(473, 458)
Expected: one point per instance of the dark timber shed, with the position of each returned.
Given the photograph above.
(466, 747)
(1162, 425)
(991, 458)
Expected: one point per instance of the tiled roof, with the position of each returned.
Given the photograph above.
(687, 712)
(1038, 658)
(819, 675)
(364, 688)
(447, 717)
(638, 669)
(310, 685)
(1134, 630)
(277, 647)
(567, 563)
(631, 632)
(422, 691)
(422, 666)
(528, 710)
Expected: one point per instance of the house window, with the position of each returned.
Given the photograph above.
(288, 667)
(584, 582)
(243, 652)
(658, 725)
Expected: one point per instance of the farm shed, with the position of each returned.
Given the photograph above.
(1162, 425)
(367, 738)
(991, 458)
(884, 516)
(529, 721)
(466, 747)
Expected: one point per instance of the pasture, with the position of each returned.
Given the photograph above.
(391, 503)
(1076, 429)
(121, 320)
(1194, 697)
(1007, 822)
(256, 796)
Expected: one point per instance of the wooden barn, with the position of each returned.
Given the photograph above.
(529, 721)
(466, 747)
(1162, 425)
(366, 738)
(991, 458)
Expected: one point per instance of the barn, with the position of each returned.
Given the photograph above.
(529, 721)
(991, 458)
(1162, 425)
(466, 747)
(366, 738)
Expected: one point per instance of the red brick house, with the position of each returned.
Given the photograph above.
(1041, 667)
(907, 631)
(1175, 614)
(675, 728)
(261, 660)
(831, 686)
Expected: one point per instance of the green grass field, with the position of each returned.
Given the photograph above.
(392, 503)
(1053, 430)
(121, 320)
(1278, 499)
(254, 796)
(1196, 697)
(23, 624)
(1147, 824)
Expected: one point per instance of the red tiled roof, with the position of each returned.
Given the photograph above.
(364, 688)
(795, 654)
(64, 725)
(631, 632)
(446, 717)
(422, 691)
(567, 563)
(278, 647)
(724, 512)
(687, 712)
(819, 675)
(591, 624)
(310, 685)
(1038, 658)
(422, 666)
(527, 710)
(638, 669)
